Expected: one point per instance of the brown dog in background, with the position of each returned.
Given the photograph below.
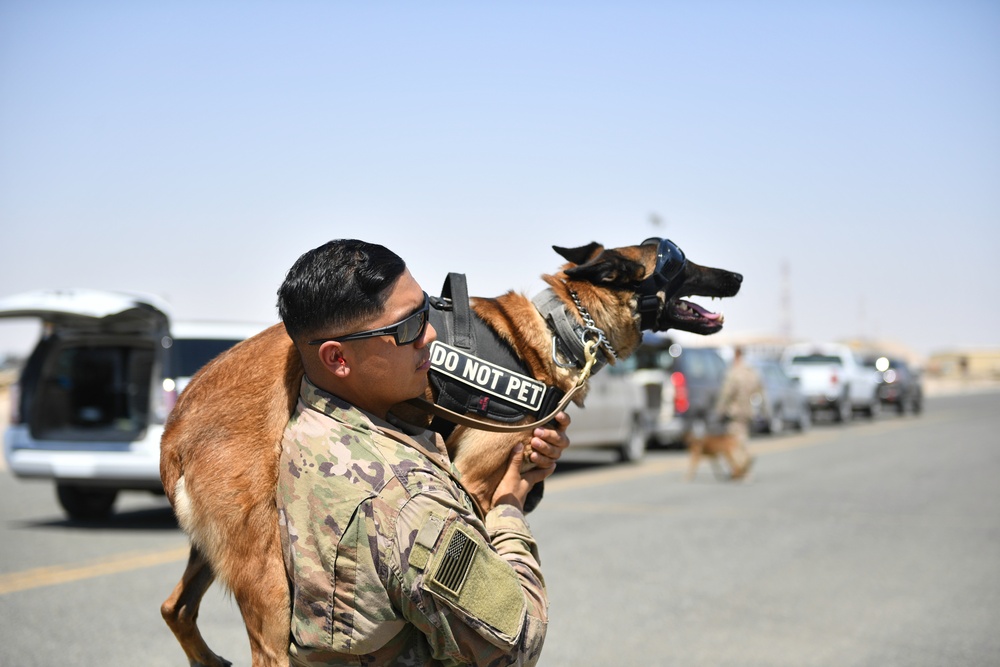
(713, 446)
(221, 444)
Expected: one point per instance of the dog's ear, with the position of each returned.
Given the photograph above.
(580, 255)
(609, 268)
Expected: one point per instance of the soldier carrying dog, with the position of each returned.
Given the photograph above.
(390, 559)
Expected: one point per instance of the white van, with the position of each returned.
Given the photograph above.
(89, 407)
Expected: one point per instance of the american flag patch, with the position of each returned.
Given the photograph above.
(455, 564)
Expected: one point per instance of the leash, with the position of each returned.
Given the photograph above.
(590, 351)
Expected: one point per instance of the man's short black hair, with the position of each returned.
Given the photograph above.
(336, 285)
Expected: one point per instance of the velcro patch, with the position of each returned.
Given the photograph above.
(454, 567)
(424, 543)
(467, 575)
(519, 389)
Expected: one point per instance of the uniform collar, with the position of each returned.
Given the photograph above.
(428, 443)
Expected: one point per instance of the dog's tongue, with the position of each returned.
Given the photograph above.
(707, 314)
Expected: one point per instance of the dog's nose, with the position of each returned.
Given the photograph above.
(738, 277)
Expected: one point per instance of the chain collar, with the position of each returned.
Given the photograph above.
(591, 327)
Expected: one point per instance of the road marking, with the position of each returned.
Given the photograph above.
(61, 574)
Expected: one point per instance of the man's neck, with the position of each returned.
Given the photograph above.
(344, 394)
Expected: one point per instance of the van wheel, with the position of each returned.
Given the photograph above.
(84, 504)
(874, 409)
(842, 411)
(634, 448)
(776, 425)
(805, 419)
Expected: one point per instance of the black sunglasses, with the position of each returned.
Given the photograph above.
(670, 260)
(405, 331)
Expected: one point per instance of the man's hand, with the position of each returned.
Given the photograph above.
(547, 445)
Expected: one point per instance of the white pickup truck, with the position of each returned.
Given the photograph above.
(832, 377)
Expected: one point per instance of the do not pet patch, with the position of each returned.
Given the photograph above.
(496, 380)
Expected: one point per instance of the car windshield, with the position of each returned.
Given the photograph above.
(816, 359)
(187, 355)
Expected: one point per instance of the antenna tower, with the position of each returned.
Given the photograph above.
(786, 301)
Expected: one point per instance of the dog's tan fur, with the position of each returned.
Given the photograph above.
(221, 444)
(713, 446)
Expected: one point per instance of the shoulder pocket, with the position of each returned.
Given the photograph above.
(469, 576)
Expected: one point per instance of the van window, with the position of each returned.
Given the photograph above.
(187, 355)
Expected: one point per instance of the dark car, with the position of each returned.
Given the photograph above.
(899, 385)
(788, 406)
(695, 379)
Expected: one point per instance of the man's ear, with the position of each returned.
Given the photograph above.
(331, 355)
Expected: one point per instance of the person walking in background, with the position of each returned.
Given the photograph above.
(741, 388)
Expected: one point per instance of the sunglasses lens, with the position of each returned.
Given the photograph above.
(412, 327)
(409, 329)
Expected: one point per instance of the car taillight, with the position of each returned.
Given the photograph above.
(167, 400)
(834, 379)
(15, 403)
(681, 403)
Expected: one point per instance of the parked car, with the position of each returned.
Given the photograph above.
(654, 380)
(787, 405)
(90, 404)
(832, 377)
(694, 377)
(899, 386)
(616, 414)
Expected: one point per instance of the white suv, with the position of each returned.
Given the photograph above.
(89, 407)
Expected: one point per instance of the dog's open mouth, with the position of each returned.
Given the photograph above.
(689, 316)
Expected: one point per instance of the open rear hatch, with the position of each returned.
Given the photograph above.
(90, 377)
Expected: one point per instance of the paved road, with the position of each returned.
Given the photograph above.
(875, 543)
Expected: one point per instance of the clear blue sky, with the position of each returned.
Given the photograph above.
(195, 149)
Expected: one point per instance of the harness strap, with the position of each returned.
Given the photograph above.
(648, 307)
(456, 290)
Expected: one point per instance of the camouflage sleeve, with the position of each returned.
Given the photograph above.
(511, 537)
(475, 591)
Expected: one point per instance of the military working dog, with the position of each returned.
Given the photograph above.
(221, 444)
(713, 446)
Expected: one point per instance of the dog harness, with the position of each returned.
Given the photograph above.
(475, 372)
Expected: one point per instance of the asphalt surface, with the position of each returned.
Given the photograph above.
(872, 543)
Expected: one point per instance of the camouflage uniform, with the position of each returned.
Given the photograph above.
(736, 402)
(390, 562)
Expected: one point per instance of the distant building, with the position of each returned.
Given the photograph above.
(971, 364)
